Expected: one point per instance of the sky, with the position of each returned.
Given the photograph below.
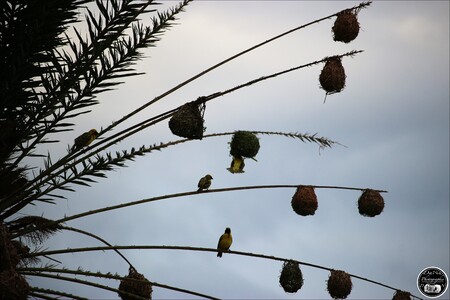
(392, 117)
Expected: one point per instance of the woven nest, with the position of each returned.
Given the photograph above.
(339, 284)
(332, 77)
(128, 288)
(244, 144)
(291, 278)
(13, 285)
(187, 122)
(401, 295)
(304, 202)
(370, 203)
(346, 27)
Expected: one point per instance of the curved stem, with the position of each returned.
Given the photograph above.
(183, 194)
(97, 238)
(79, 281)
(323, 142)
(35, 271)
(36, 290)
(138, 127)
(357, 7)
(67, 157)
(202, 249)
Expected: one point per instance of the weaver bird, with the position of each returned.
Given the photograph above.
(224, 242)
(237, 165)
(204, 183)
(85, 139)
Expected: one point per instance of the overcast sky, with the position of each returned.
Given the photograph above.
(393, 116)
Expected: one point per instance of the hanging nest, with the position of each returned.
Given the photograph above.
(142, 288)
(244, 144)
(370, 203)
(304, 202)
(291, 278)
(346, 26)
(339, 284)
(188, 121)
(401, 295)
(332, 77)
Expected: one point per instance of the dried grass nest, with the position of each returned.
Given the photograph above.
(244, 144)
(339, 284)
(401, 295)
(370, 203)
(332, 77)
(187, 122)
(142, 288)
(304, 202)
(346, 26)
(291, 278)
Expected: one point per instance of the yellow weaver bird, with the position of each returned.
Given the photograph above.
(224, 242)
(237, 165)
(204, 183)
(85, 139)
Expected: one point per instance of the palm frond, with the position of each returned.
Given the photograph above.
(29, 30)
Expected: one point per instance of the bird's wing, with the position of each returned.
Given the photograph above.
(220, 240)
(200, 183)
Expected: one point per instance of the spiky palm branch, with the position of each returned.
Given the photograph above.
(48, 77)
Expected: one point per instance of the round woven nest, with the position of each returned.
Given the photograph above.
(291, 278)
(370, 203)
(304, 202)
(187, 122)
(346, 27)
(339, 284)
(401, 295)
(142, 288)
(332, 77)
(244, 144)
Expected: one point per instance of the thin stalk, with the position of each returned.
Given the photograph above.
(183, 194)
(111, 276)
(36, 290)
(202, 249)
(144, 124)
(97, 238)
(357, 7)
(323, 142)
(79, 281)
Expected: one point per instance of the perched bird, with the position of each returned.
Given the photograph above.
(237, 165)
(204, 183)
(85, 139)
(224, 242)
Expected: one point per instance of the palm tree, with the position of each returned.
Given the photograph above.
(51, 73)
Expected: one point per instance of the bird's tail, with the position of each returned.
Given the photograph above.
(199, 189)
(219, 254)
